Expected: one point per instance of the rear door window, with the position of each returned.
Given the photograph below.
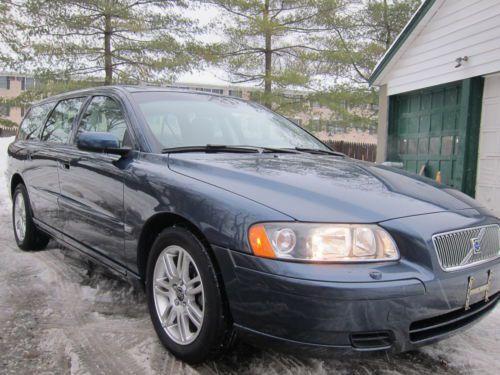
(60, 122)
(33, 122)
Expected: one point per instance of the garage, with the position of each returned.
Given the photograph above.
(439, 97)
(433, 134)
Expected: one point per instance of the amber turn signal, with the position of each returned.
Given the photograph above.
(259, 242)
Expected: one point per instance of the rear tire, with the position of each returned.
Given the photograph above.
(185, 298)
(28, 236)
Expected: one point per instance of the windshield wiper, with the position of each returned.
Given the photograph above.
(319, 151)
(228, 148)
(211, 148)
(279, 150)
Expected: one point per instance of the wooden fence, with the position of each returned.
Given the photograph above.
(4, 132)
(361, 151)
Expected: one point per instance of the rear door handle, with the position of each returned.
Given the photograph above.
(64, 164)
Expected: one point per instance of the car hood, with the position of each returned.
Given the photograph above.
(322, 188)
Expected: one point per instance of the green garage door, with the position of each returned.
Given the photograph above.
(438, 128)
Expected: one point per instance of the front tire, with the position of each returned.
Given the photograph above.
(28, 236)
(185, 297)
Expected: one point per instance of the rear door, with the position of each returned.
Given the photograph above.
(28, 142)
(92, 183)
(43, 171)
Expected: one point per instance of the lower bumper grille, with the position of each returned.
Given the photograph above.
(426, 329)
(371, 340)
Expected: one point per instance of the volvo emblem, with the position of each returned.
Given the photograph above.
(476, 245)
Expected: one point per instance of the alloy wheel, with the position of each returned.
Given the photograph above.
(20, 217)
(178, 295)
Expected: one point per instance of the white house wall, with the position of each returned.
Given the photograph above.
(458, 28)
(488, 166)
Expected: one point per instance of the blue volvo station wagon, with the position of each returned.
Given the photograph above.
(241, 224)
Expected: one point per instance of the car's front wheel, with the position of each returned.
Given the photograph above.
(28, 236)
(185, 297)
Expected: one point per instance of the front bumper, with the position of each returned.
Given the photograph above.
(394, 306)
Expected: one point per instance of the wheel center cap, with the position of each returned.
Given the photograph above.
(180, 293)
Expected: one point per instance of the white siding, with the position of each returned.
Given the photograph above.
(458, 28)
(488, 166)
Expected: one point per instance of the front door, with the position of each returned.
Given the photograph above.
(435, 131)
(92, 184)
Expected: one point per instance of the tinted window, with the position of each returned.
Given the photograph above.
(105, 115)
(33, 122)
(59, 124)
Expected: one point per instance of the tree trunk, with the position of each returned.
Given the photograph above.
(388, 37)
(108, 64)
(268, 54)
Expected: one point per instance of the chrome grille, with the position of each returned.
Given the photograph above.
(466, 247)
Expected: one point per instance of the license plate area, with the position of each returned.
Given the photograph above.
(472, 289)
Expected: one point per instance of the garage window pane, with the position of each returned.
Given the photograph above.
(447, 148)
(434, 146)
(402, 146)
(423, 145)
(412, 146)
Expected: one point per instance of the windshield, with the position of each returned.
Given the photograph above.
(186, 120)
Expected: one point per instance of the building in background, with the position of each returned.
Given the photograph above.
(11, 86)
(439, 98)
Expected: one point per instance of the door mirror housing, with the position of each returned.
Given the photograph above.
(101, 142)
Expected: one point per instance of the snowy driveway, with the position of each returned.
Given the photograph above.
(57, 317)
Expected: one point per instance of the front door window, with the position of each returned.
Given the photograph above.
(104, 114)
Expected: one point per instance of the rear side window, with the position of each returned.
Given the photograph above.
(60, 122)
(33, 122)
(104, 114)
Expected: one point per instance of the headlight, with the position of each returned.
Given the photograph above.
(322, 242)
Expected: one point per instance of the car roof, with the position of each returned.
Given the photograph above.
(126, 89)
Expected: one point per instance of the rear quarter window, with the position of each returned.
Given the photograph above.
(33, 122)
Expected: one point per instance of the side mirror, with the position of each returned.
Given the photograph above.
(101, 142)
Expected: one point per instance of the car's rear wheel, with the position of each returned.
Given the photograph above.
(185, 297)
(28, 236)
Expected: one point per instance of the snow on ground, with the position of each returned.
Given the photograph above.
(60, 316)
